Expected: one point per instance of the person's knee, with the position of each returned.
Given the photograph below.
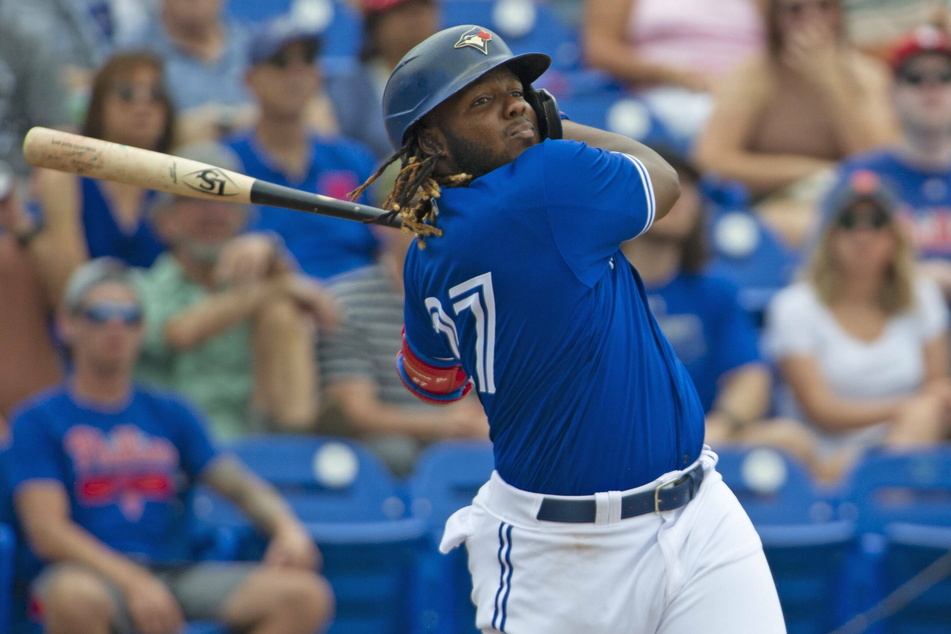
(297, 597)
(308, 596)
(77, 596)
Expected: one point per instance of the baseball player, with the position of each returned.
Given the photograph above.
(604, 513)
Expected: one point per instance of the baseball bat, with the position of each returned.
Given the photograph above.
(104, 160)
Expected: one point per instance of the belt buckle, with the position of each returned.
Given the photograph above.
(657, 491)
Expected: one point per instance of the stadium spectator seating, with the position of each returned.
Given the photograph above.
(352, 508)
(448, 475)
(805, 545)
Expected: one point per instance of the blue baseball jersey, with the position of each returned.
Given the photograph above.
(924, 197)
(529, 291)
(126, 470)
(710, 331)
(323, 246)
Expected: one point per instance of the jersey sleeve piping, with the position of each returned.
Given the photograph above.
(648, 192)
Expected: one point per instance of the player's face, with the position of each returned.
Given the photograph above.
(135, 111)
(923, 93)
(106, 333)
(486, 125)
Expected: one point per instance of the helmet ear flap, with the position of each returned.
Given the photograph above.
(546, 110)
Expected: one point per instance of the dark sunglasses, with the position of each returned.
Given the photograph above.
(913, 78)
(129, 92)
(874, 218)
(286, 57)
(101, 313)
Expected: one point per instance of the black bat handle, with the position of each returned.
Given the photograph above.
(273, 195)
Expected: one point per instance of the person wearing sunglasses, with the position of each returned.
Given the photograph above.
(89, 218)
(282, 147)
(101, 468)
(861, 341)
(917, 167)
(783, 119)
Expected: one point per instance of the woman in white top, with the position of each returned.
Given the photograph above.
(861, 341)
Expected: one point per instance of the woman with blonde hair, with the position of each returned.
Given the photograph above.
(861, 341)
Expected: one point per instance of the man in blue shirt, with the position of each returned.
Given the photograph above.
(605, 512)
(282, 149)
(101, 469)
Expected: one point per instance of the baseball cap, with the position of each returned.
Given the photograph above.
(861, 187)
(268, 41)
(923, 39)
(91, 274)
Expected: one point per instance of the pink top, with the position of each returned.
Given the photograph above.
(707, 36)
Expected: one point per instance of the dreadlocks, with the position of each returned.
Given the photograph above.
(411, 198)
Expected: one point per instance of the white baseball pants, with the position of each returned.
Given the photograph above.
(699, 568)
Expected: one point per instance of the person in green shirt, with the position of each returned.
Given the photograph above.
(230, 321)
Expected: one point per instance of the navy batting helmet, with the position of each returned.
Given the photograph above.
(442, 65)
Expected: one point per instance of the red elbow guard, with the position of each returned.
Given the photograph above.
(431, 383)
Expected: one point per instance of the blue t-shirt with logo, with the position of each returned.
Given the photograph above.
(324, 246)
(126, 469)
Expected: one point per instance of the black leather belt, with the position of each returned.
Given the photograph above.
(667, 497)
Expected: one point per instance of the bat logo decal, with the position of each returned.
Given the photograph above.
(212, 181)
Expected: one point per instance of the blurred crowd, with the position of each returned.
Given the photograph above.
(829, 120)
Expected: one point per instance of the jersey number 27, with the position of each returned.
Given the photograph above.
(476, 296)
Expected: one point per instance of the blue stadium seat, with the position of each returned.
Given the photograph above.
(527, 26)
(909, 486)
(350, 504)
(448, 475)
(805, 546)
(745, 250)
(910, 550)
(884, 488)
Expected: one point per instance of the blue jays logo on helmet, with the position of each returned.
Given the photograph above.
(443, 64)
(476, 37)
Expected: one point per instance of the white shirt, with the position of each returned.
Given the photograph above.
(798, 323)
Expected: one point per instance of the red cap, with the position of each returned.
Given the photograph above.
(924, 39)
